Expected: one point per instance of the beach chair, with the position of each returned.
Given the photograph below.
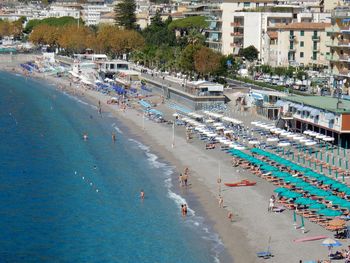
(265, 254)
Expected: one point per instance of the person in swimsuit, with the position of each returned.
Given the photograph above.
(114, 137)
(142, 194)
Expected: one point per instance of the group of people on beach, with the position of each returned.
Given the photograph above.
(183, 178)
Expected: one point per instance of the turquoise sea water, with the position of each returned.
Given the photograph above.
(63, 199)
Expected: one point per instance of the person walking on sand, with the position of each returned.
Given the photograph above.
(142, 194)
(221, 202)
(230, 216)
(185, 179)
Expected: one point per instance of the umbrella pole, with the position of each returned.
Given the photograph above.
(295, 219)
(302, 225)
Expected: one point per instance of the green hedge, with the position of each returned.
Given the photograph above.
(269, 86)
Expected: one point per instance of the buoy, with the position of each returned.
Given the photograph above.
(75, 172)
(83, 178)
(97, 190)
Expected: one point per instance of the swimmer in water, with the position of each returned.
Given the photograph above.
(142, 195)
(85, 137)
(95, 167)
(114, 137)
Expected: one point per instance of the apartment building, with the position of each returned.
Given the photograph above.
(242, 29)
(339, 43)
(91, 14)
(302, 44)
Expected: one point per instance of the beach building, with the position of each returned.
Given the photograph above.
(302, 44)
(325, 115)
(264, 102)
(339, 44)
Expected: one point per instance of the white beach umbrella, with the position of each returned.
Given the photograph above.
(291, 135)
(217, 124)
(283, 144)
(328, 139)
(238, 147)
(329, 242)
(313, 134)
(272, 139)
(321, 136)
(273, 130)
(209, 121)
(255, 123)
(254, 142)
(175, 115)
(228, 131)
(278, 131)
(220, 128)
(298, 137)
(285, 134)
(310, 143)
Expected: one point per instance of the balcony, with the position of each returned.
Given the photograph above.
(344, 28)
(292, 49)
(237, 24)
(340, 43)
(237, 34)
(315, 38)
(291, 37)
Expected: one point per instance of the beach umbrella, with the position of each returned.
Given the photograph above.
(336, 222)
(283, 144)
(272, 139)
(332, 198)
(317, 206)
(329, 242)
(280, 190)
(304, 201)
(329, 213)
(290, 194)
(302, 185)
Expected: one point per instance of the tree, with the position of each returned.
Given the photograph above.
(125, 14)
(301, 74)
(45, 35)
(280, 71)
(186, 60)
(52, 21)
(198, 23)
(250, 53)
(74, 39)
(207, 61)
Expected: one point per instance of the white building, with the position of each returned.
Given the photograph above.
(60, 11)
(91, 14)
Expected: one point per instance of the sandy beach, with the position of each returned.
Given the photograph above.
(252, 225)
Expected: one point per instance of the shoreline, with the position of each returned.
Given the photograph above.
(206, 205)
(252, 226)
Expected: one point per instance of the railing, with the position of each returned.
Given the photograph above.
(343, 43)
(291, 37)
(316, 38)
(235, 24)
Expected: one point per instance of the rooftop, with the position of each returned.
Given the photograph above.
(321, 102)
(304, 25)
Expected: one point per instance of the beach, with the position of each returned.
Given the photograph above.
(252, 225)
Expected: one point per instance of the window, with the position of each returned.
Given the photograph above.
(315, 45)
(301, 54)
(315, 33)
(246, 4)
(314, 55)
(302, 33)
(291, 32)
(301, 43)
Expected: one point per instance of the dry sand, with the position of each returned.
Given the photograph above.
(252, 225)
